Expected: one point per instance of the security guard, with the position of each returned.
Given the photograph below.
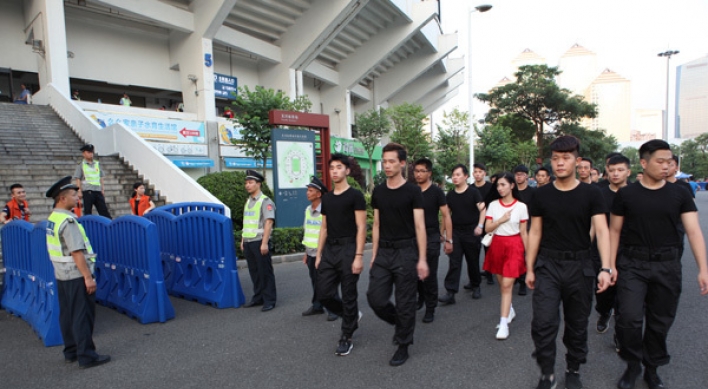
(312, 225)
(258, 220)
(73, 260)
(89, 180)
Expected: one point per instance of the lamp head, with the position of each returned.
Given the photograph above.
(483, 7)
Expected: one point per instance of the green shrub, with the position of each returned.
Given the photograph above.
(353, 183)
(285, 241)
(229, 188)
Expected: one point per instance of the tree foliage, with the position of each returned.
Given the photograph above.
(535, 96)
(694, 156)
(522, 129)
(251, 109)
(452, 141)
(229, 188)
(371, 126)
(594, 144)
(497, 147)
(408, 121)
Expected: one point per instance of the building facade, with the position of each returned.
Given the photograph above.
(692, 98)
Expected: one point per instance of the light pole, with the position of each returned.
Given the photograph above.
(479, 8)
(665, 130)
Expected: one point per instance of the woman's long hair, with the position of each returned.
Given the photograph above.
(494, 193)
(135, 188)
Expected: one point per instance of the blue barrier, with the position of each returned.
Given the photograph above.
(182, 208)
(166, 233)
(16, 237)
(129, 268)
(205, 260)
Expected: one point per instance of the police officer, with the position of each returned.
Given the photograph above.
(89, 180)
(73, 259)
(258, 219)
(312, 225)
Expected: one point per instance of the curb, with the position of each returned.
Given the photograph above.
(296, 257)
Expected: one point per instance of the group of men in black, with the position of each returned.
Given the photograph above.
(622, 242)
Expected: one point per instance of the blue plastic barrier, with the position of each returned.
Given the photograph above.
(129, 268)
(205, 260)
(16, 237)
(166, 233)
(182, 208)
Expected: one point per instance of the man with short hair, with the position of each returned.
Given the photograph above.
(559, 263)
(639, 177)
(340, 250)
(594, 175)
(671, 175)
(479, 172)
(17, 208)
(310, 239)
(73, 260)
(434, 204)
(584, 170)
(543, 176)
(89, 179)
(527, 194)
(606, 181)
(644, 221)
(399, 241)
(467, 211)
(258, 220)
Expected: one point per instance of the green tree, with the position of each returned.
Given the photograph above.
(371, 126)
(452, 141)
(633, 155)
(494, 146)
(594, 144)
(694, 156)
(408, 121)
(535, 96)
(522, 129)
(251, 110)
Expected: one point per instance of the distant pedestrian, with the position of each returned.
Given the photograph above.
(24, 96)
(140, 204)
(75, 95)
(125, 100)
(89, 179)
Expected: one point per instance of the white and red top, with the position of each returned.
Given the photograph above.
(519, 214)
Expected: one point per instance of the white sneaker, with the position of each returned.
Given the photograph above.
(359, 318)
(503, 332)
(512, 315)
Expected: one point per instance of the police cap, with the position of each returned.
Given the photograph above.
(254, 175)
(60, 186)
(87, 147)
(317, 184)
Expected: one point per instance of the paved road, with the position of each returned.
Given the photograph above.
(205, 347)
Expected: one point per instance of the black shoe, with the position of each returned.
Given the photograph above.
(477, 293)
(312, 311)
(522, 289)
(546, 382)
(603, 322)
(421, 304)
(100, 360)
(468, 286)
(447, 299)
(252, 304)
(629, 378)
(652, 379)
(332, 317)
(490, 279)
(572, 380)
(345, 346)
(267, 308)
(617, 344)
(429, 316)
(400, 357)
(70, 360)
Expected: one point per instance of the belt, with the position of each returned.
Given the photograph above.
(396, 244)
(565, 255)
(648, 255)
(341, 241)
(432, 230)
(464, 227)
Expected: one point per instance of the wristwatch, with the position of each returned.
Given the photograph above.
(608, 270)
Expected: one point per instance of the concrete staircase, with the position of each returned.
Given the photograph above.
(37, 148)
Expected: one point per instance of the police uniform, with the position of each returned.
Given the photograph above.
(77, 308)
(260, 267)
(90, 174)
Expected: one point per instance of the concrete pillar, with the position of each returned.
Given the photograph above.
(45, 18)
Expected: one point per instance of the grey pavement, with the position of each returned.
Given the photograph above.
(204, 347)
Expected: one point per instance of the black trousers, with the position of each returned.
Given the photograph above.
(91, 198)
(335, 270)
(464, 243)
(561, 281)
(395, 267)
(605, 301)
(77, 313)
(260, 268)
(313, 279)
(428, 288)
(647, 296)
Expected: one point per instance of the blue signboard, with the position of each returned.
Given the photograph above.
(192, 162)
(224, 85)
(246, 163)
(294, 164)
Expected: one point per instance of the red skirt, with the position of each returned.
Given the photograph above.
(505, 256)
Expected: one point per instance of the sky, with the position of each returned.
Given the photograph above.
(626, 35)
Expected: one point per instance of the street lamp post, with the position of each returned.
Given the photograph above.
(479, 8)
(665, 130)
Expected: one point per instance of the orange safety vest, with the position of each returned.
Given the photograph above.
(143, 204)
(16, 212)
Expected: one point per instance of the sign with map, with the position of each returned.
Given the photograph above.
(294, 164)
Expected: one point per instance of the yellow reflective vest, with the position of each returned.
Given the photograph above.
(312, 229)
(55, 221)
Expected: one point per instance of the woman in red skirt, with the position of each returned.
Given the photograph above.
(506, 218)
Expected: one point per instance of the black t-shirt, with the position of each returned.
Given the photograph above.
(339, 209)
(463, 206)
(484, 189)
(567, 215)
(396, 210)
(685, 185)
(433, 199)
(652, 216)
(527, 195)
(603, 184)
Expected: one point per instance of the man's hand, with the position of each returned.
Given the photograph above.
(613, 277)
(304, 259)
(530, 279)
(478, 231)
(264, 248)
(703, 282)
(422, 269)
(317, 262)
(447, 248)
(90, 285)
(603, 281)
(358, 264)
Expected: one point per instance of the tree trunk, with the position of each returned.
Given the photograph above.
(539, 140)
(370, 187)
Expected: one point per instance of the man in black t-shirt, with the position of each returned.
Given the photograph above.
(479, 172)
(526, 196)
(671, 176)
(340, 250)
(434, 204)
(647, 215)
(467, 211)
(559, 263)
(606, 181)
(398, 259)
(584, 170)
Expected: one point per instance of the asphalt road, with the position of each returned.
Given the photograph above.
(204, 347)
